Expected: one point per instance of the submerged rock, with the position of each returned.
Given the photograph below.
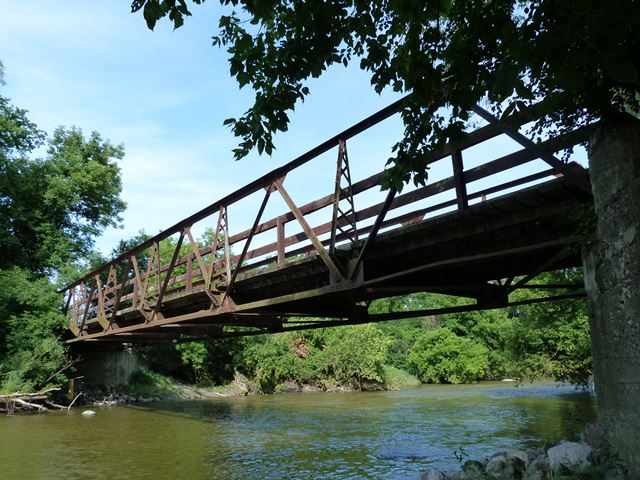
(88, 413)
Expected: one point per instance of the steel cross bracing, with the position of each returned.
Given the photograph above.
(446, 237)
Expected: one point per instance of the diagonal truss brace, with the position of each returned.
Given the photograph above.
(245, 249)
(326, 258)
(573, 173)
(354, 267)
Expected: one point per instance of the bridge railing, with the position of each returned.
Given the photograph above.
(175, 264)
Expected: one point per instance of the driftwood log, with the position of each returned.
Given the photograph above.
(21, 402)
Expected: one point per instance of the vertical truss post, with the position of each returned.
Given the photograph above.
(281, 236)
(87, 304)
(219, 267)
(137, 282)
(345, 221)
(189, 278)
(459, 181)
(148, 291)
(101, 313)
(109, 295)
(74, 304)
(67, 305)
(227, 247)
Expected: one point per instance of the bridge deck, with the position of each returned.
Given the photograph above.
(206, 290)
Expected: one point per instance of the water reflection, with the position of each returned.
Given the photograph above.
(355, 435)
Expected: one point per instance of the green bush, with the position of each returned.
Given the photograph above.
(30, 326)
(29, 370)
(194, 356)
(269, 360)
(355, 355)
(440, 356)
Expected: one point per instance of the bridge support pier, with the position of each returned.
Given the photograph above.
(108, 367)
(612, 279)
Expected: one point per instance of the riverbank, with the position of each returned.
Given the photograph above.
(147, 386)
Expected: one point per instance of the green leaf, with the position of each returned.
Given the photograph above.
(137, 5)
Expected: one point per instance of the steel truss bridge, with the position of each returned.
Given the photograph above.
(322, 263)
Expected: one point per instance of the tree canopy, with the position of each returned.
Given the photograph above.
(581, 56)
(52, 208)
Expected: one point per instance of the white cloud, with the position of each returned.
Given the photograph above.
(164, 95)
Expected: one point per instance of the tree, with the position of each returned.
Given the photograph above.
(51, 209)
(582, 57)
(551, 339)
(356, 354)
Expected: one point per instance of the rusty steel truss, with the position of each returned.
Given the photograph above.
(173, 288)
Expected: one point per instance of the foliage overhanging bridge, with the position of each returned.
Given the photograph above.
(482, 233)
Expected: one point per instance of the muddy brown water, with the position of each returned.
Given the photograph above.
(307, 436)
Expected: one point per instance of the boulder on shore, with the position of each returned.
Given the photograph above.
(569, 456)
(506, 466)
(565, 460)
(538, 469)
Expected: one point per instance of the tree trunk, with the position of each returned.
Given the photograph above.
(612, 279)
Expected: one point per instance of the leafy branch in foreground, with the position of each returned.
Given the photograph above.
(581, 56)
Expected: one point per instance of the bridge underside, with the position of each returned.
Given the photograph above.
(475, 252)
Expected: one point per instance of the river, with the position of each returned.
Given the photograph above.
(308, 436)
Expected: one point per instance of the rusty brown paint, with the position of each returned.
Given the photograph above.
(575, 176)
(139, 316)
(335, 271)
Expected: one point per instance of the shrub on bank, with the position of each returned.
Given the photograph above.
(351, 356)
(440, 356)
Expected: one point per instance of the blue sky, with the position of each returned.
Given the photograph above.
(165, 95)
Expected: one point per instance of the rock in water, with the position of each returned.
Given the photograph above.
(89, 413)
(570, 456)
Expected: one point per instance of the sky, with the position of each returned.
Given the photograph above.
(164, 95)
